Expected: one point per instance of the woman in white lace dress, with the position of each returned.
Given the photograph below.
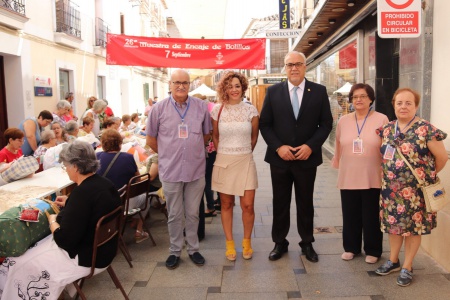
(235, 133)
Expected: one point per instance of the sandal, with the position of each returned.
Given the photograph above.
(141, 236)
(247, 251)
(230, 254)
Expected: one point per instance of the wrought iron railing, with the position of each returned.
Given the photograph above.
(101, 29)
(17, 6)
(68, 18)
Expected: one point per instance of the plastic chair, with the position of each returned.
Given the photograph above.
(137, 185)
(107, 228)
(122, 246)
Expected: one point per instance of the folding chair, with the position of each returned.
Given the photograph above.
(138, 185)
(123, 247)
(107, 228)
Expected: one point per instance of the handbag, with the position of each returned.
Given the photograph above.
(20, 168)
(433, 193)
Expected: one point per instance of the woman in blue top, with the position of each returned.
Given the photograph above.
(32, 128)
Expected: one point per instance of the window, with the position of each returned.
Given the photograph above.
(146, 93)
(100, 87)
(64, 83)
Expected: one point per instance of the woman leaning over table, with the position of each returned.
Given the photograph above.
(235, 133)
(32, 127)
(358, 159)
(402, 207)
(65, 255)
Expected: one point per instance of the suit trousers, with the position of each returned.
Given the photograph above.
(361, 220)
(183, 202)
(303, 180)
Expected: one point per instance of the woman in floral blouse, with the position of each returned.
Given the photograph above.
(402, 206)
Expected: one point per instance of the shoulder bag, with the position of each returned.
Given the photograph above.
(434, 194)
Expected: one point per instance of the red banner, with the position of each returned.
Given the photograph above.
(348, 56)
(185, 53)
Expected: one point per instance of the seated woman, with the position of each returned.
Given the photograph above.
(88, 124)
(126, 121)
(14, 137)
(120, 172)
(65, 255)
(48, 140)
(134, 123)
(71, 130)
(59, 133)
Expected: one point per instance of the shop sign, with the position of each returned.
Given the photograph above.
(186, 53)
(274, 80)
(283, 33)
(399, 18)
(284, 13)
(43, 86)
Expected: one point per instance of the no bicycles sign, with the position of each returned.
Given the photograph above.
(399, 18)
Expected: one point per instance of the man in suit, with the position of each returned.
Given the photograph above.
(295, 121)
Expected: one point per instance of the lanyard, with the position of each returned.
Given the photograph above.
(364, 122)
(187, 108)
(397, 129)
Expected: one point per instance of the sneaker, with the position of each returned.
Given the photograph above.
(405, 277)
(388, 267)
(141, 236)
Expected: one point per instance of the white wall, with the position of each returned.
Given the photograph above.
(440, 104)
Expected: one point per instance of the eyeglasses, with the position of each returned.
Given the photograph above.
(362, 97)
(184, 83)
(297, 65)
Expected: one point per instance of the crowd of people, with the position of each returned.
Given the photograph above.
(197, 148)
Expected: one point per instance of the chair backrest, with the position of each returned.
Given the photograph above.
(123, 194)
(107, 228)
(138, 185)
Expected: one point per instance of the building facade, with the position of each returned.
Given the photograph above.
(49, 48)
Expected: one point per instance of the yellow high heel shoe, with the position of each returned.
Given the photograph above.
(247, 251)
(230, 254)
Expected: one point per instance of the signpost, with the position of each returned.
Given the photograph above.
(399, 18)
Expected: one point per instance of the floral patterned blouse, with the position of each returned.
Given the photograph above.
(402, 206)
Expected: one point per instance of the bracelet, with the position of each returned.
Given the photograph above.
(50, 224)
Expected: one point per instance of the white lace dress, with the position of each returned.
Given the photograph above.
(234, 169)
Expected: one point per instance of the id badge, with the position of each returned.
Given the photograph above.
(389, 152)
(357, 146)
(183, 132)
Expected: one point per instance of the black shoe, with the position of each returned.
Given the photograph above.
(172, 262)
(217, 208)
(388, 267)
(309, 252)
(279, 250)
(197, 258)
(405, 277)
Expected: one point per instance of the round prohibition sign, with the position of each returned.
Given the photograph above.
(399, 6)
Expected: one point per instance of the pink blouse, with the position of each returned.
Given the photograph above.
(358, 171)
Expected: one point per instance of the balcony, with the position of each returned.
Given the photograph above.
(68, 24)
(101, 29)
(12, 14)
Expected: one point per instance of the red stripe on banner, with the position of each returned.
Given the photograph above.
(185, 53)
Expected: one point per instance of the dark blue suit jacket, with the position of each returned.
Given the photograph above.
(279, 127)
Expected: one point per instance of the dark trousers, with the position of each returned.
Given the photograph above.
(303, 181)
(361, 219)
(209, 194)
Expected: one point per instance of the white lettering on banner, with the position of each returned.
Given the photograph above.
(400, 30)
(150, 45)
(179, 54)
(197, 47)
(237, 47)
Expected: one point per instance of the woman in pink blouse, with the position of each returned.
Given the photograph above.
(358, 158)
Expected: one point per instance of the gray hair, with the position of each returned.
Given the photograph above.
(63, 104)
(71, 127)
(47, 135)
(81, 155)
(294, 52)
(68, 95)
(99, 105)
